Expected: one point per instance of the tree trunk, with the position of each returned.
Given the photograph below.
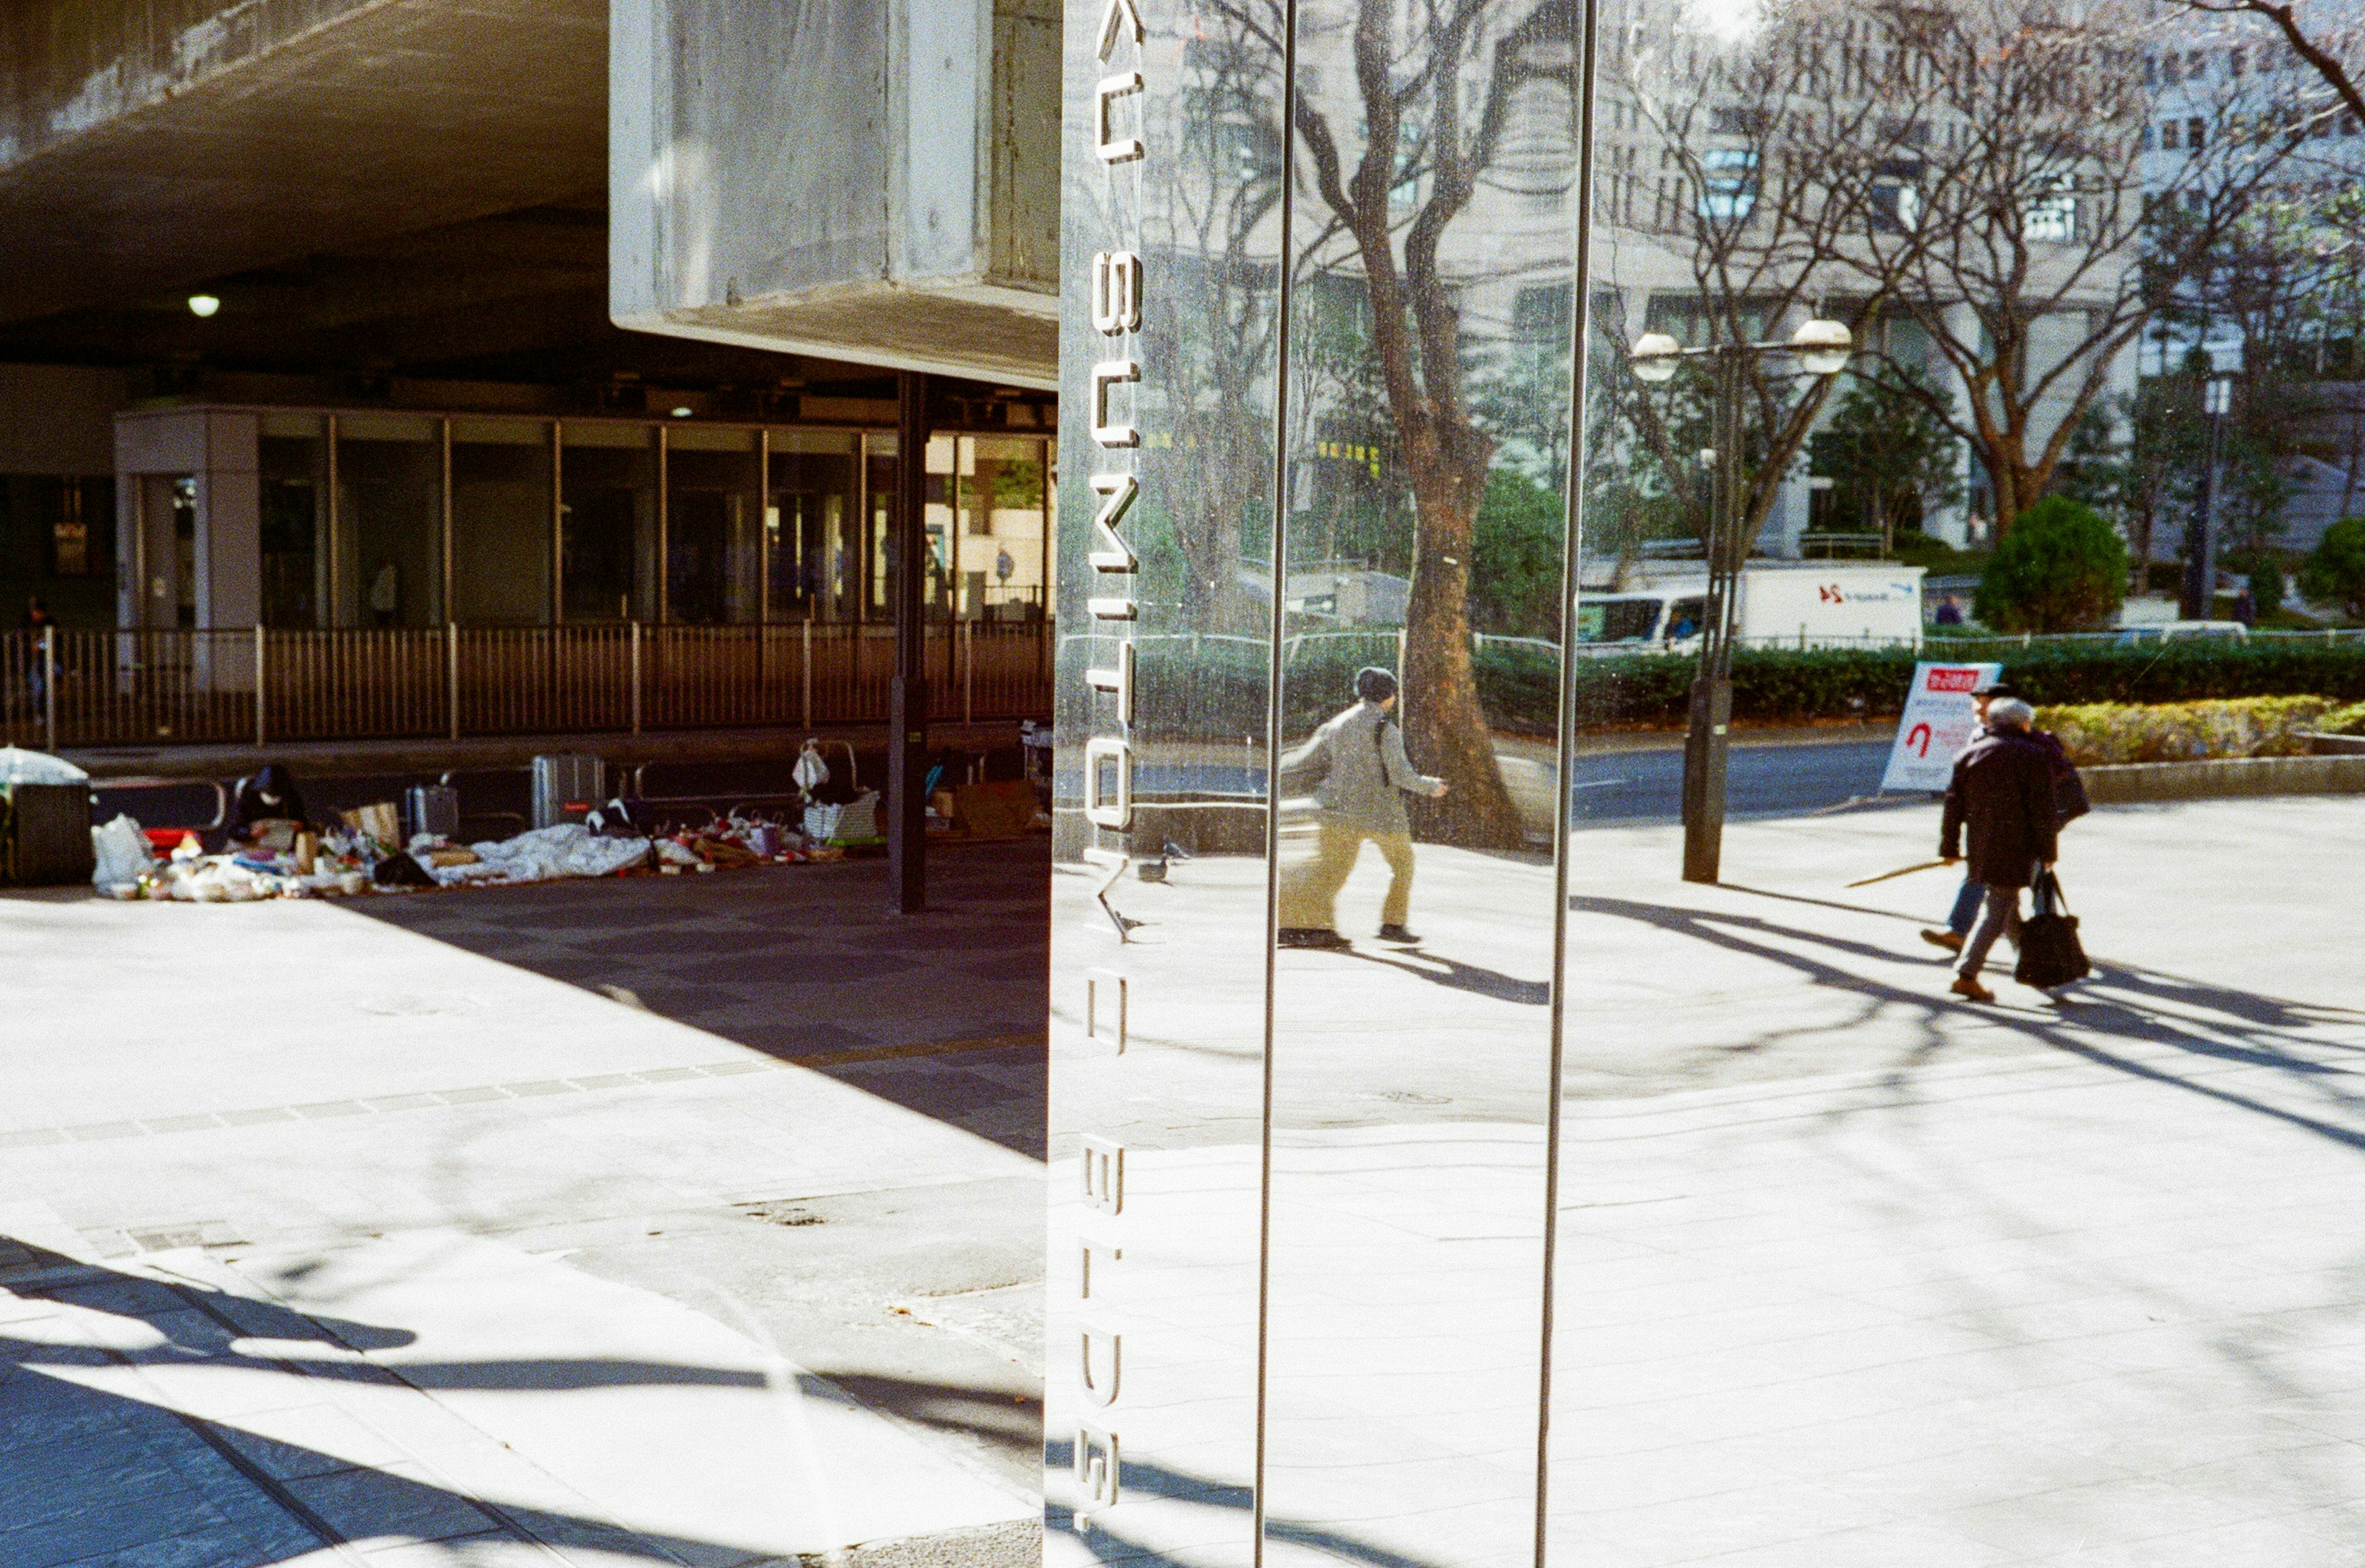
(1445, 725)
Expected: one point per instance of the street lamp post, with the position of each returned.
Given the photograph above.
(2201, 552)
(1822, 349)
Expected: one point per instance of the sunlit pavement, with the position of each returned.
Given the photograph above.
(325, 1230)
(325, 1237)
(1849, 1271)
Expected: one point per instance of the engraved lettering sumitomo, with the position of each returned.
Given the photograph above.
(1111, 373)
(1116, 492)
(1116, 292)
(1115, 150)
(1118, 682)
(1110, 807)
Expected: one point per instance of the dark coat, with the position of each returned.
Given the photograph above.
(2002, 793)
(2069, 800)
(251, 808)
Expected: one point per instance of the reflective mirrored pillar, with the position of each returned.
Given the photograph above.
(1170, 331)
(1317, 350)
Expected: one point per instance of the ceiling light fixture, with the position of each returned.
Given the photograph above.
(681, 413)
(203, 304)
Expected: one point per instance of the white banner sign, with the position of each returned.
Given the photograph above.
(1940, 719)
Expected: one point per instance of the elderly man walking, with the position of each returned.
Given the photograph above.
(2001, 799)
(1359, 771)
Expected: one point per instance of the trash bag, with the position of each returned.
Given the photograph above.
(401, 871)
(120, 853)
(19, 766)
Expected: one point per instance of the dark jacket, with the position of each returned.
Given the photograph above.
(2002, 794)
(251, 808)
(2069, 800)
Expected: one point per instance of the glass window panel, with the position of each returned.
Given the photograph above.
(501, 521)
(812, 520)
(608, 522)
(713, 518)
(390, 559)
(293, 461)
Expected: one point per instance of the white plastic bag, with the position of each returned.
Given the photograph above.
(120, 854)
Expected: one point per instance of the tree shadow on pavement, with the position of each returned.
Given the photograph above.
(96, 1475)
(1106, 1541)
(2117, 1012)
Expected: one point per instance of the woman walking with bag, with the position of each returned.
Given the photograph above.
(2000, 798)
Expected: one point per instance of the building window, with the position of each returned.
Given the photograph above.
(2169, 140)
(2195, 133)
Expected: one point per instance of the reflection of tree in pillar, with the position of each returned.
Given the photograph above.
(1442, 99)
(1224, 240)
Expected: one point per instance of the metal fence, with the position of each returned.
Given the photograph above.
(94, 688)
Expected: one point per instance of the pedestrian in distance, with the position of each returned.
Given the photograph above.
(36, 620)
(1359, 774)
(1950, 611)
(2002, 800)
(2069, 803)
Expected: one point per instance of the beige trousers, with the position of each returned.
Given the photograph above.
(1309, 890)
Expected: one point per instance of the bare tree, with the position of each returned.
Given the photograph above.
(1441, 89)
(2329, 53)
(1784, 160)
(2043, 240)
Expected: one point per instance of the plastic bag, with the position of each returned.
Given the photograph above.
(120, 852)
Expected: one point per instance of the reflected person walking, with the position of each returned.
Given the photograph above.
(1359, 774)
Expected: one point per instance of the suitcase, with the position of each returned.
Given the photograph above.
(49, 836)
(566, 787)
(433, 808)
(2050, 953)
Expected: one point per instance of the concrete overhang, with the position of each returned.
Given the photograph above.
(874, 181)
(149, 144)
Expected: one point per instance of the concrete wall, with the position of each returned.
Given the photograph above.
(873, 180)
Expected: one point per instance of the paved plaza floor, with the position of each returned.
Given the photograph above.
(621, 1224)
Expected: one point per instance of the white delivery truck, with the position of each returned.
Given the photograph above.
(1802, 604)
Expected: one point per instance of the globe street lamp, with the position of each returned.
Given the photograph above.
(1821, 349)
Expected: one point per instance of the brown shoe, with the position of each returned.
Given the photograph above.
(1971, 990)
(1950, 940)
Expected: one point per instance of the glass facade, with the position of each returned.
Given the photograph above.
(389, 521)
(367, 519)
(608, 522)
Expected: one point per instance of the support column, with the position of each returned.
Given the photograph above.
(907, 739)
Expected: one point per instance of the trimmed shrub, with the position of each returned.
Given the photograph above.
(2348, 720)
(2102, 733)
(2058, 568)
(2336, 568)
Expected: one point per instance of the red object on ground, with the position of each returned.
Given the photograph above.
(167, 839)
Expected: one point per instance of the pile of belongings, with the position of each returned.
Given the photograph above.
(363, 856)
(127, 866)
(736, 841)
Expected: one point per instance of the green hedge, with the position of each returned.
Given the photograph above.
(1217, 688)
(1795, 686)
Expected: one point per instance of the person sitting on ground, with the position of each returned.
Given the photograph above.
(2069, 803)
(269, 811)
(2001, 799)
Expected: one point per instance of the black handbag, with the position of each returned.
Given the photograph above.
(2050, 954)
